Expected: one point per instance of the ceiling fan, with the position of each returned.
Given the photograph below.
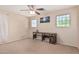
(34, 9)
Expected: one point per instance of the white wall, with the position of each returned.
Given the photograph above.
(67, 36)
(17, 26)
(78, 23)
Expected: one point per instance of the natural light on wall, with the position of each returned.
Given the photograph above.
(3, 27)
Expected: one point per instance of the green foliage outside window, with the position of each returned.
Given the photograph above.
(63, 21)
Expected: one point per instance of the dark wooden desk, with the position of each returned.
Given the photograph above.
(51, 36)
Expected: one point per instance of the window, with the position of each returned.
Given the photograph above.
(63, 21)
(34, 23)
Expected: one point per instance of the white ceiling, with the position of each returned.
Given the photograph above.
(17, 8)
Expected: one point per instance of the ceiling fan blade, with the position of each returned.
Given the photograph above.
(31, 7)
(40, 9)
(37, 12)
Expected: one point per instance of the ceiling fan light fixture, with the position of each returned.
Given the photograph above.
(32, 12)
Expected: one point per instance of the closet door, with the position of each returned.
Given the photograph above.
(3, 28)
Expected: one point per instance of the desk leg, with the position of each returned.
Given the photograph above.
(43, 38)
(34, 36)
(49, 40)
(52, 40)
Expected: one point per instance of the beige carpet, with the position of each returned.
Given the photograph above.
(35, 46)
